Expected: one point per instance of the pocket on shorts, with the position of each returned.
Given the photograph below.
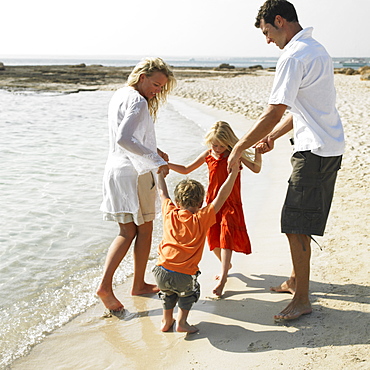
(304, 197)
(330, 164)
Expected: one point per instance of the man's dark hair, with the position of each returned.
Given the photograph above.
(271, 8)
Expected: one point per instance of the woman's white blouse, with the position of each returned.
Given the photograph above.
(132, 151)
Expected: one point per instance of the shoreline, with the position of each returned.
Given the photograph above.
(239, 328)
(76, 78)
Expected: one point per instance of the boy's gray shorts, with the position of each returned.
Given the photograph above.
(176, 287)
(310, 193)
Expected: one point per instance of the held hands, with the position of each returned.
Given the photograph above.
(163, 155)
(264, 145)
(164, 170)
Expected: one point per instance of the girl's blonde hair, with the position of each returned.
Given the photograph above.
(222, 132)
(189, 193)
(148, 66)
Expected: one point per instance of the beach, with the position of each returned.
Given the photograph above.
(238, 330)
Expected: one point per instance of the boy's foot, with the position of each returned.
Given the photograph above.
(186, 328)
(286, 287)
(294, 310)
(110, 301)
(145, 289)
(166, 326)
(219, 288)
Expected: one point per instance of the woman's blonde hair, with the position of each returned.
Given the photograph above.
(222, 132)
(148, 66)
(189, 193)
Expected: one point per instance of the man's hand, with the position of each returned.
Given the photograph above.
(233, 160)
(264, 145)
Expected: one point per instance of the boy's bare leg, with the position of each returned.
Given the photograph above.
(287, 286)
(167, 320)
(217, 252)
(301, 254)
(141, 253)
(225, 266)
(182, 324)
(117, 251)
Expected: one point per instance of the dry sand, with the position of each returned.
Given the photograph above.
(238, 330)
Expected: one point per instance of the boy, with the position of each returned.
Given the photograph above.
(184, 233)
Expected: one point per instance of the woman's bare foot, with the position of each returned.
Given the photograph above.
(166, 326)
(286, 287)
(294, 310)
(109, 300)
(219, 288)
(186, 328)
(145, 289)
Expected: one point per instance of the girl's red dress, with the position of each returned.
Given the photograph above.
(229, 231)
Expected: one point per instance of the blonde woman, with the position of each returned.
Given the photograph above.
(129, 191)
(229, 233)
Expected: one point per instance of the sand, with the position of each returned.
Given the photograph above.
(238, 330)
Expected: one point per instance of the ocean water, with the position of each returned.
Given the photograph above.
(53, 240)
(265, 62)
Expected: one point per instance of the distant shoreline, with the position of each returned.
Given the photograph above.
(82, 77)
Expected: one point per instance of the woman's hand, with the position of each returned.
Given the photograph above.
(163, 155)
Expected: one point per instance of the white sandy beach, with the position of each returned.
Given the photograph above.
(238, 330)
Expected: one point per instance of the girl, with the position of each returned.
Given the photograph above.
(128, 184)
(229, 233)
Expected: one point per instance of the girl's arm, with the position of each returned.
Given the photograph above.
(256, 165)
(190, 167)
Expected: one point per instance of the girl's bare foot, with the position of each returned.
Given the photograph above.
(218, 276)
(294, 310)
(109, 300)
(219, 288)
(186, 328)
(145, 289)
(286, 287)
(166, 326)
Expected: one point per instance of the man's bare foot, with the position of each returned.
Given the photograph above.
(186, 328)
(294, 310)
(145, 289)
(286, 287)
(109, 300)
(166, 326)
(219, 288)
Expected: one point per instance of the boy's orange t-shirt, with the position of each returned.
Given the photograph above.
(184, 235)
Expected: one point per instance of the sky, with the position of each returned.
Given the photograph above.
(191, 28)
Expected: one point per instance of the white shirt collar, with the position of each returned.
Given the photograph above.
(306, 32)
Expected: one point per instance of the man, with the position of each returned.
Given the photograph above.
(303, 85)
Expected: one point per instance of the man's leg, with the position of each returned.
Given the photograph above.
(300, 250)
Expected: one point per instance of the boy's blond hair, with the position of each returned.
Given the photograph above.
(189, 193)
(222, 132)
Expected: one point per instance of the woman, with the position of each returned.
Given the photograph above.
(129, 191)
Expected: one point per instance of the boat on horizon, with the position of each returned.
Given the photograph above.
(355, 62)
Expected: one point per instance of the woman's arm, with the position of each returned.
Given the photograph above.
(190, 167)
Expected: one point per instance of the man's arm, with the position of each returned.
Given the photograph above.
(265, 124)
(226, 187)
(282, 128)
